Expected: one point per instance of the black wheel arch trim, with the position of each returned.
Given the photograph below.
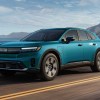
(48, 51)
(96, 53)
(97, 50)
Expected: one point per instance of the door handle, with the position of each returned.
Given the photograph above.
(94, 44)
(79, 44)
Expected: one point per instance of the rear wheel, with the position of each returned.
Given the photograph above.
(49, 67)
(96, 66)
(8, 73)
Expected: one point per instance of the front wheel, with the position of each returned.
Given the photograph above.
(49, 67)
(96, 66)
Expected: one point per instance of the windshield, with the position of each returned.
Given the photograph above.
(45, 35)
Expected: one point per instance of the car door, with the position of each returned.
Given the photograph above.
(87, 40)
(73, 51)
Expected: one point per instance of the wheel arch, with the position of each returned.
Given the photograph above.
(55, 52)
(96, 53)
(94, 66)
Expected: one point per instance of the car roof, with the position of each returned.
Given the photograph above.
(67, 28)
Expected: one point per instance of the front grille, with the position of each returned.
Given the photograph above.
(10, 65)
(2, 55)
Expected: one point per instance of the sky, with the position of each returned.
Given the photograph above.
(31, 15)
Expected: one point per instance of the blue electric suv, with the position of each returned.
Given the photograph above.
(48, 51)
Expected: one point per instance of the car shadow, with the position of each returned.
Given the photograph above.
(20, 78)
(80, 70)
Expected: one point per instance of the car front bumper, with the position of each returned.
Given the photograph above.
(15, 66)
(20, 62)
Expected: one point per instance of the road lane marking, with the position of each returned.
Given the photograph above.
(48, 88)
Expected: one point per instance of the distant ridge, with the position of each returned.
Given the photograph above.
(20, 35)
(15, 35)
(95, 29)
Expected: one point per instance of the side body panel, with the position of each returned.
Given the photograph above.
(72, 52)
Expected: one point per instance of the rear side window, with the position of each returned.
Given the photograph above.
(82, 35)
(92, 36)
(89, 37)
(72, 33)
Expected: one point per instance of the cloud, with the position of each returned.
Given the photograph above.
(20, 0)
(44, 16)
(68, 5)
(19, 8)
(4, 9)
(50, 18)
(39, 6)
(89, 2)
(46, 10)
(78, 3)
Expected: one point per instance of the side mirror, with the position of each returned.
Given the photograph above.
(68, 39)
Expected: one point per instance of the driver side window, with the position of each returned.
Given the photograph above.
(72, 33)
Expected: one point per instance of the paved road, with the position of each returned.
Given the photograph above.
(74, 84)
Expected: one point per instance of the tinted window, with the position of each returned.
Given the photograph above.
(89, 37)
(92, 36)
(45, 35)
(82, 35)
(72, 33)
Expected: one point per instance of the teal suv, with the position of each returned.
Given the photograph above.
(48, 51)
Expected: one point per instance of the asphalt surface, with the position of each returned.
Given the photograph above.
(25, 82)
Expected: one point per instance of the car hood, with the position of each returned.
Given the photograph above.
(19, 44)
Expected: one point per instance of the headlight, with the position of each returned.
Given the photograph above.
(19, 50)
(30, 49)
(10, 50)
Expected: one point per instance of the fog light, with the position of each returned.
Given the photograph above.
(32, 62)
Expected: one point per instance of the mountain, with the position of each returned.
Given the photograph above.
(20, 35)
(95, 29)
(14, 35)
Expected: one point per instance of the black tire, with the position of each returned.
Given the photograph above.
(8, 73)
(49, 67)
(96, 66)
